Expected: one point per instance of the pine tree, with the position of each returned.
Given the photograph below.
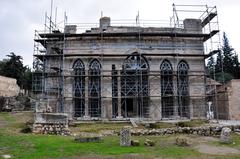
(211, 67)
(219, 62)
(227, 65)
(228, 56)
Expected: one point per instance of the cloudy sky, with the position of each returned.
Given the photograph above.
(19, 18)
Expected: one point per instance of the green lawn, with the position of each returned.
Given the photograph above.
(31, 146)
(40, 146)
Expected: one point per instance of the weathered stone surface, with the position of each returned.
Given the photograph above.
(8, 87)
(225, 135)
(51, 128)
(125, 136)
(233, 94)
(204, 131)
(181, 141)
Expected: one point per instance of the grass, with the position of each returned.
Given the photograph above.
(31, 146)
(192, 123)
(39, 146)
(95, 128)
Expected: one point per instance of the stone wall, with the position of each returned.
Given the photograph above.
(233, 99)
(204, 131)
(51, 128)
(8, 87)
(51, 123)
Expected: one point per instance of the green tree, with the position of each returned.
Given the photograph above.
(227, 65)
(219, 62)
(211, 67)
(13, 67)
(228, 58)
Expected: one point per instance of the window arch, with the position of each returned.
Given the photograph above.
(95, 88)
(79, 88)
(135, 86)
(183, 88)
(135, 61)
(167, 89)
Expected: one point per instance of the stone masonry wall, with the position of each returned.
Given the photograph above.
(234, 100)
(8, 87)
(51, 128)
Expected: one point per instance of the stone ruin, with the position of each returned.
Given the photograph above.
(225, 135)
(49, 122)
(125, 136)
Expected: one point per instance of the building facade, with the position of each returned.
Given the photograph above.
(119, 72)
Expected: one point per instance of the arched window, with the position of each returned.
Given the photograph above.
(78, 87)
(95, 88)
(167, 89)
(183, 91)
(135, 87)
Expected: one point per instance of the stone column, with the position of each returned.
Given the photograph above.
(175, 98)
(86, 110)
(119, 95)
(155, 97)
(106, 95)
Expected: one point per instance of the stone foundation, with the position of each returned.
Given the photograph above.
(204, 131)
(51, 128)
(51, 123)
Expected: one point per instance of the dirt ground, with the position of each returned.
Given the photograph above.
(201, 143)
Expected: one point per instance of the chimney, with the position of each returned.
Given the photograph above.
(104, 23)
(71, 29)
(192, 25)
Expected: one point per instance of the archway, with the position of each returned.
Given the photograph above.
(135, 86)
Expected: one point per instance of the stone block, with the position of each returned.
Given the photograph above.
(125, 136)
(225, 135)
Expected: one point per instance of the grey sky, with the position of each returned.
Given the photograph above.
(19, 18)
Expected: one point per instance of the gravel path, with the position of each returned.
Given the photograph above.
(216, 150)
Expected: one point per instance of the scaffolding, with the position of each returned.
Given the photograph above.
(130, 88)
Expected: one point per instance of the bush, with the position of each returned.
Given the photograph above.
(192, 123)
(26, 129)
(183, 124)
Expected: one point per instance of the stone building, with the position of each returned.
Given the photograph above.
(121, 72)
(226, 102)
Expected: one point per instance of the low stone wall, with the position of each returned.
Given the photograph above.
(51, 128)
(204, 131)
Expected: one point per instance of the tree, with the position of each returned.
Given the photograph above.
(227, 55)
(13, 67)
(211, 67)
(227, 65)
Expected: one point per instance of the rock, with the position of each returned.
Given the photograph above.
(147, 125)
(6, 156)
(181, 141)
(149, 142)
(135, 142)
(225, 135)
(88, 139)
